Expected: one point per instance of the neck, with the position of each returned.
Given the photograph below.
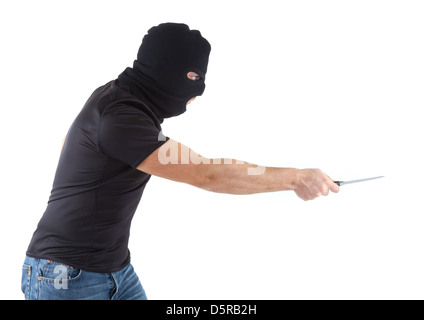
(145, 89)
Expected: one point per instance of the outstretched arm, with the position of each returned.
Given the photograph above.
(177, 162)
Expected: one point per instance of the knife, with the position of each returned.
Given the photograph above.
(340, 183)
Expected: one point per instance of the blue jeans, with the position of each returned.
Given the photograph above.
(49, 280)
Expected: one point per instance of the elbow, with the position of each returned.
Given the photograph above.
(207, 179)
(215, 180)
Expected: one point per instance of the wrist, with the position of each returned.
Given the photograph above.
(291, 178)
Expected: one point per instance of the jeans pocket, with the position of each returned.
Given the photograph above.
(59, 274)
(26, 280)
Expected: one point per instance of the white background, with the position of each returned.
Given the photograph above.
(335, 85)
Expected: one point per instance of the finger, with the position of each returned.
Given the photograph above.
(334, 187)
(324, 191)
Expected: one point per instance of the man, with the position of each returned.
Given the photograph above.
(79, 249)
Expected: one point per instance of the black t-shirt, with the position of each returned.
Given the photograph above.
(97, 186)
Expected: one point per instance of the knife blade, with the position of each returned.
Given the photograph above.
(340, 183)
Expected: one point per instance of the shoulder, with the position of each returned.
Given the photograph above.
(127, 115)
(124, 105)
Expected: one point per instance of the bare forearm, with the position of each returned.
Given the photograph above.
(177, 162)
(235, 177)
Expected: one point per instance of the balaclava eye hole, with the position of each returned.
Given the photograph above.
(193, 76)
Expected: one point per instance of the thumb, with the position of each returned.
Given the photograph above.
(334, 187)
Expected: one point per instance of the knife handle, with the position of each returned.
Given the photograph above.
(339, 183)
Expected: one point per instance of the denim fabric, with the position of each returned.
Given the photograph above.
(49, 280)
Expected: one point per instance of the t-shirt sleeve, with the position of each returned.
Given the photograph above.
(129, 135)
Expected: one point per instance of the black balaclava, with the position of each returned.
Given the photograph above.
(159, 75)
